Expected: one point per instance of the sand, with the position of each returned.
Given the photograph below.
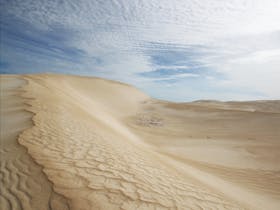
(70, 142)
(23, 184)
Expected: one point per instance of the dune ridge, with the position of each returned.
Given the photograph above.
(106, 145)
(23, 184)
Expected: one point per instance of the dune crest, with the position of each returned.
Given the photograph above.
(106, 145)
(23, 185)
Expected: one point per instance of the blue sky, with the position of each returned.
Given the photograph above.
(178, 50)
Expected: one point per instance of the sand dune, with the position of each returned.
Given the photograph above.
(89, 143)
(23, 184)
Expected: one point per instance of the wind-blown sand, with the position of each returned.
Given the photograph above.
(70, 142)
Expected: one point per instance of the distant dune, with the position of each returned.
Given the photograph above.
(79, 143)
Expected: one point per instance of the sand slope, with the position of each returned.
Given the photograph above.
(106, 145)
(23, 184)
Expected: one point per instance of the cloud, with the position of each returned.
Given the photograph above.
(205, 49)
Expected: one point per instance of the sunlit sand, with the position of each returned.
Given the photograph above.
(70, 142)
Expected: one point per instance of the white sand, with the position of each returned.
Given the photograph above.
(106, 145)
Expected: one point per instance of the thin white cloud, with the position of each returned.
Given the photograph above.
(241, 37)
(174, 77)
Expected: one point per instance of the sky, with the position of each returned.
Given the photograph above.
(177, 50)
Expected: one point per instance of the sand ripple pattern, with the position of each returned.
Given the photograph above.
(104, 170)
(23, 185)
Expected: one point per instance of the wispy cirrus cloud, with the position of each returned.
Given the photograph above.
(203, 49)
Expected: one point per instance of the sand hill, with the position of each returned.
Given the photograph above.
(80, 143)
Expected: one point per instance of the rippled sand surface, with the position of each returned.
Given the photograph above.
(23, 185)
(70, 142)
